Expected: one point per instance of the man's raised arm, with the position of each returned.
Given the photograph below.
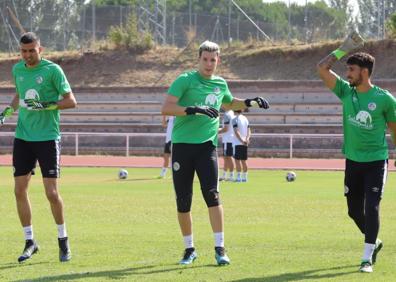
(351, 42)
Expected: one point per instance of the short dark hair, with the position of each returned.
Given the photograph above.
(209, 47)
(363, 60)
(29, 37)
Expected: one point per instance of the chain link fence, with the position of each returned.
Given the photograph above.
(74, 25)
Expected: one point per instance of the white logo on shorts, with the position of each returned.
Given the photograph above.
(346, 189)
(176, 166)
(375, 189)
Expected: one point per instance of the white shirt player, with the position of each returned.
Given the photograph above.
(169, 129)
(241, 123)
(228, 136)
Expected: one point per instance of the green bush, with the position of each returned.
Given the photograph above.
(391, 26)
(130, 38)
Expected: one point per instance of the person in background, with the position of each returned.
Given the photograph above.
(168, 123)
(241, 142)
(227, 132)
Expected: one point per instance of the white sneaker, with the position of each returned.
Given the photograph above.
(366, 267)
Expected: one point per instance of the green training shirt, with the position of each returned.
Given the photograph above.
(194, 90)
(47, 83)
(365, 117)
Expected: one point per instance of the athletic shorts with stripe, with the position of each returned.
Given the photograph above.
(168, 147)
(27, 153)
(228, 150)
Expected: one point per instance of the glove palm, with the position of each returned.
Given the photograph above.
(8, 111)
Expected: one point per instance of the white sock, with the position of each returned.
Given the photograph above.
(224, 174)
(368, 251)
(219, 239)
(62, 230)
(163, 171)
(239, 175)
(188, 241)
(28, 231)
(244, 175)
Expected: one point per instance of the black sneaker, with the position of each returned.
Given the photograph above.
(30, 249)
(64, 249)
(221, 256)
(188, 257)
(378, 247)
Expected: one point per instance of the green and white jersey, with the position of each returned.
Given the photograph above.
(365, 117)
(47, 83)
(194, 90)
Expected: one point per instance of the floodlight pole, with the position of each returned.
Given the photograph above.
(243, 12)
(289, 27)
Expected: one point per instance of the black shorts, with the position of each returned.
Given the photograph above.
(365, 178)
(168, 147)
(190, 158)
(241, 152)
(27, 153)
(228, 150)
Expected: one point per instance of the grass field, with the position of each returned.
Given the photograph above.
(127, 230)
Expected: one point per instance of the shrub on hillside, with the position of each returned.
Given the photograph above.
(130, 38)
(391, 26)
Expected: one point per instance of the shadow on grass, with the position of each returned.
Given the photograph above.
(305, 275)
(117, 274)
(15, 265)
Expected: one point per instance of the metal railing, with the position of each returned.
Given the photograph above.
(127, 142)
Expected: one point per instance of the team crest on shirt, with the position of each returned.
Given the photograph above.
(216, 90)
(372, 106)
(20, 78)
(211, 100)
(39, 79)
(32, 94)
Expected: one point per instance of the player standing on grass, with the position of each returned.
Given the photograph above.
(168, 123)
(241, 142)
(195, 98)
(41, 91)
(228, 151)
(367, 111)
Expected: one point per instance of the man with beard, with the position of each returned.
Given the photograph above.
(367, 112)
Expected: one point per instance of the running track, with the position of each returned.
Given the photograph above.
(254, 163)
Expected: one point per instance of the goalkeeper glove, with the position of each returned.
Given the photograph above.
(202, 110)
(259, 101)
(8, 111)
(351, 42)
(33, 104)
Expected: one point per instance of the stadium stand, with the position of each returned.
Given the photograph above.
(297, 107)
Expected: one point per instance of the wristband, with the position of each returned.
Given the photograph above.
(339, 53)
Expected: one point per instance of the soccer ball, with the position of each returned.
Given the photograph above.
(291, 176)
(123, 174)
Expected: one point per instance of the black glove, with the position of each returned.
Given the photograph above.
(202, 110)
(259, 101)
